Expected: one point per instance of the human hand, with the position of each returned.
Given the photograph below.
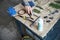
(28, 9)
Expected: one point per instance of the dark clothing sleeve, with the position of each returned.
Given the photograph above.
(28, 2)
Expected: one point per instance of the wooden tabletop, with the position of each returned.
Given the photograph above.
(46, 26)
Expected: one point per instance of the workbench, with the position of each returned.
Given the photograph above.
(46, 26)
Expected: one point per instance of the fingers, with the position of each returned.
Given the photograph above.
(28, 9)
(31, 10)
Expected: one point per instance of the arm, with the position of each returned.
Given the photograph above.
(28, 6)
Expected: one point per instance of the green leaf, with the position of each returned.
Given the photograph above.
(57, 6)
(35, 10)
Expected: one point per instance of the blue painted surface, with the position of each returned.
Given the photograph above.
(11, 11)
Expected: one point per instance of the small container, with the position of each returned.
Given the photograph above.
(40, 24)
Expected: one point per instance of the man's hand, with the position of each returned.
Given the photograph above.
(28, 9)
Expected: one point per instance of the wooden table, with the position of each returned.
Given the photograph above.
(46, 26)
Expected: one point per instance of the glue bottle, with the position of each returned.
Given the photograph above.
(40, 24)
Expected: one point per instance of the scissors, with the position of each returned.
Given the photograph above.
(30, 15)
